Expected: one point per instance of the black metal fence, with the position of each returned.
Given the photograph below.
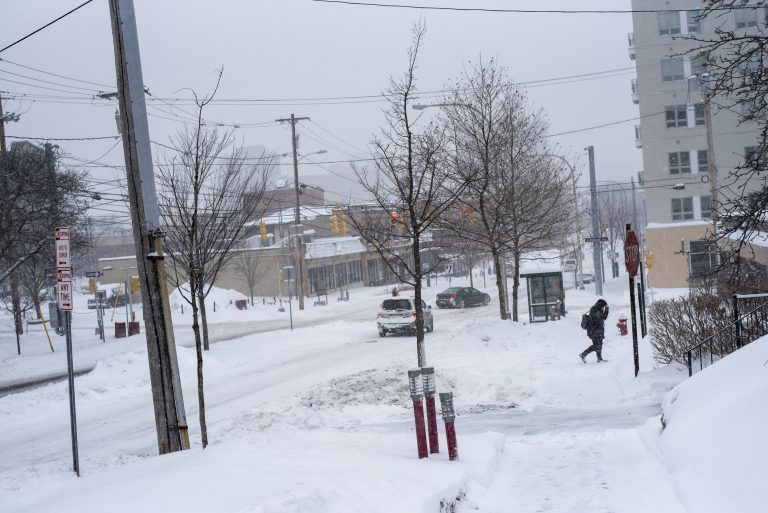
(745, 328)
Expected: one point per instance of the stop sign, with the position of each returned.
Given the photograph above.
(631, 253)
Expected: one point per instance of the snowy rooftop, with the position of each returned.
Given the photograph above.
(540, 262)
(334, 246)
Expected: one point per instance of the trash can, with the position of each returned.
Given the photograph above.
(133, 328)
(241, 304)
(119, 330)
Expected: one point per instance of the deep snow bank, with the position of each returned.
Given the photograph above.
(715, 440)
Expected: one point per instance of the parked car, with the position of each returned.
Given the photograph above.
(570, 264)
(589, 278)
(398, 315)
(459, 297)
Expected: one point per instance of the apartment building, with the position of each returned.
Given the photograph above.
(677, 177)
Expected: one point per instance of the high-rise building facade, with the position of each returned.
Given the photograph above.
(678, 176)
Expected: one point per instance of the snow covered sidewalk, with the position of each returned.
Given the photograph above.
(318, 420)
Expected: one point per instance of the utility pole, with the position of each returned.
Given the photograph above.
(597, 245)
(170, 416)
(2, 127)
(297, 220)
(712, 168)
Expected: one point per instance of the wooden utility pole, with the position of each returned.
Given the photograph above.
(2, 127)
(297, 218)
(170, 416)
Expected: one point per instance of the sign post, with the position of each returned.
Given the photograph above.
(64, 298)
(632, 262)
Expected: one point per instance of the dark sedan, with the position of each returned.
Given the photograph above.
(460, 297)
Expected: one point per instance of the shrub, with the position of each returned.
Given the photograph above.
(678, 324)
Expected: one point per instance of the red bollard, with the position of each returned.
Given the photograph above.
(428, 378)
(418, 412)
(446, 403)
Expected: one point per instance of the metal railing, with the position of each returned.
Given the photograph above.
(745, 328)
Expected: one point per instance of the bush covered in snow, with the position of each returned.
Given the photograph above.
(680, 323)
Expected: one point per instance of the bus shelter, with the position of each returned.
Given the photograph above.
(546, 295)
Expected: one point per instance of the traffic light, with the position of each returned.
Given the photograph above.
(135, 284)
(649, 259)
(335, 224)
(263, 230)
(343, 226)
(393, 220)
(91, 285)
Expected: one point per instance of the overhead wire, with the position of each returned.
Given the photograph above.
(45, 26)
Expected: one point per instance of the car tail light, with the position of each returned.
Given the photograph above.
(414, 315)
(453, 296)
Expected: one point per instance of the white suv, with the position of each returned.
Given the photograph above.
(398, 315)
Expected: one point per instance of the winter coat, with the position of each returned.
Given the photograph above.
(597, 316)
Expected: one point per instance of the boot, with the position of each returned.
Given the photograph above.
(583, 357)
(600, 356)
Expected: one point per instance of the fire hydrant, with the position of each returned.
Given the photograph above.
(622, 325)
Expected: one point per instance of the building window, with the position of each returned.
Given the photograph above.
(672, 69)
(679, 163)
(677, 116)
(694, 21)
(706, 207)
(702, 157)
(669, 23)
(702, 256)
(698, 114)
(682, 209)
(746, 18)
(698, 64)
(354, 271)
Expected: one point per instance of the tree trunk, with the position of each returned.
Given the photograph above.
(199, 351)
(421, 356)
(204, 318)
(36, 304)
(471, 280)
(16, 307)
(499, 281)
(516, 285)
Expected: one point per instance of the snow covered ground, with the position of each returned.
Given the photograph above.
(319, 420)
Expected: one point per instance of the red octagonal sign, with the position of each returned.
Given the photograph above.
(631, 253)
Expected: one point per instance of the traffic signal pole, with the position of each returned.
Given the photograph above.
(597, 245)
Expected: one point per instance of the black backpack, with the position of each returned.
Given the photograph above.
(585, 321)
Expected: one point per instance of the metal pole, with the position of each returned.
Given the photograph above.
(168, 402)
(641, 298)
(71, 381)
(597, 246)
(712, 168)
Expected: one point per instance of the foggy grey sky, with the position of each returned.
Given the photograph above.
(275, 49)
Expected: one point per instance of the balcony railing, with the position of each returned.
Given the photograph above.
(631, 42)
(635, 93)
(638, 137)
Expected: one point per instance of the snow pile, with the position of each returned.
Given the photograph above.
(715, 440)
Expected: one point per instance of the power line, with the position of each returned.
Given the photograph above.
(65, 77)
(523, 11)
(62, 138)
(45, 26)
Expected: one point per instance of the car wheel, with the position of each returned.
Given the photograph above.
(486, 300)
(431, 327)
(460, 304)
(382, 333)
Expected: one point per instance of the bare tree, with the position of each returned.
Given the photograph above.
(411, 187)
(246, 262)
(735, 60)
(209, 190)
(517, 192)
(615, 205)
(36, 195)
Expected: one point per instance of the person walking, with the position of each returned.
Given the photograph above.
(596, 330)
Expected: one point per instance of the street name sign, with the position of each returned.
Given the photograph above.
(596, 239)
(93, 274)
